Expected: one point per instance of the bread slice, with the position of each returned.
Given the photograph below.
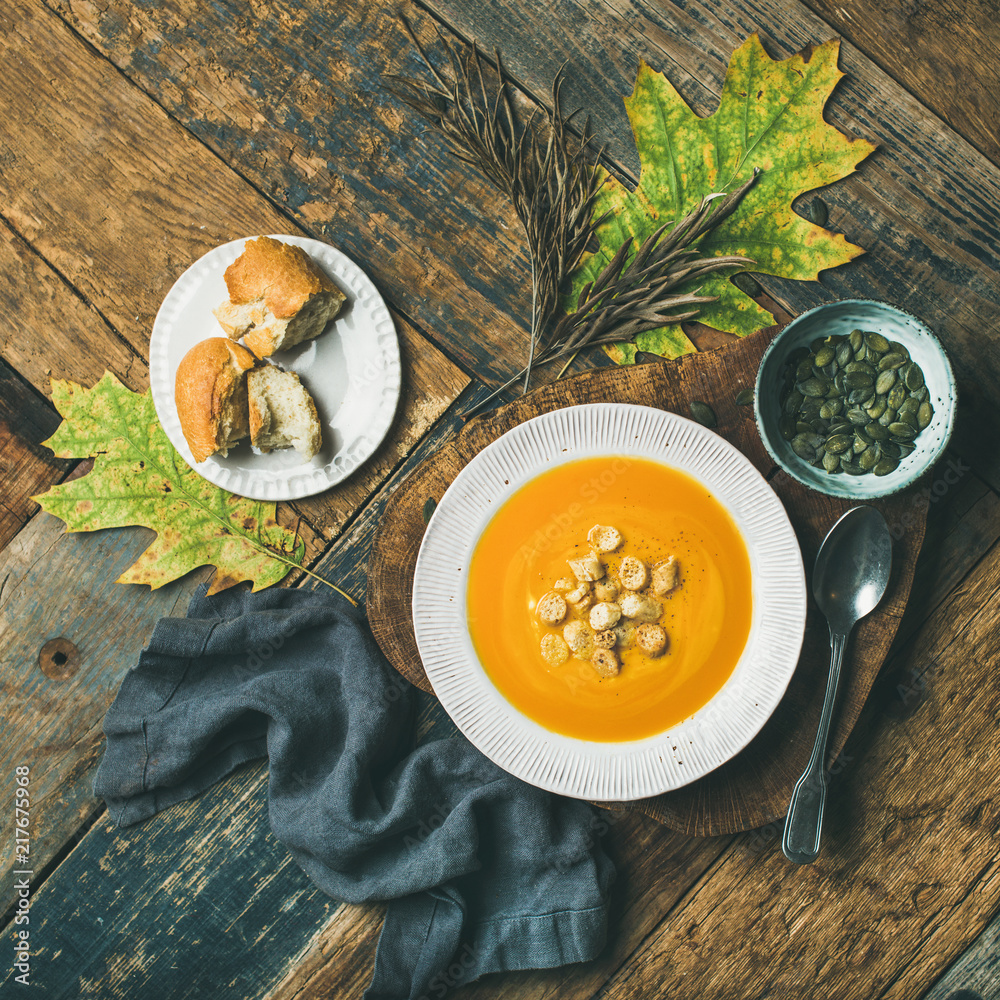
(278, 297)
(210, 390)
(282, 413)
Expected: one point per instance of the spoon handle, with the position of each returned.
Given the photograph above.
(805, 811)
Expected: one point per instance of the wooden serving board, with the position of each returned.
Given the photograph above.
(753, 788)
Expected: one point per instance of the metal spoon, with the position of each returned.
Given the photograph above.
(850, 577)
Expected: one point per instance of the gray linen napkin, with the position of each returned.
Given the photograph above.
(486, 873)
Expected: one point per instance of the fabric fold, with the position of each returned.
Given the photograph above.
(484, 872)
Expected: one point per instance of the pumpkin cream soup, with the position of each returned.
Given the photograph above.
(610, 598)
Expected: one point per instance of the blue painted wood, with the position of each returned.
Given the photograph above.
(60, 585)
(201, 902)
(975, 974)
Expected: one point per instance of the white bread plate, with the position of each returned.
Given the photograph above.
(352, 370)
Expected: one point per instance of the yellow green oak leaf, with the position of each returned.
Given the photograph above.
(139, 478)
(770, 116)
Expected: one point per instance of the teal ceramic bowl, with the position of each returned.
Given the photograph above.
(842, 318)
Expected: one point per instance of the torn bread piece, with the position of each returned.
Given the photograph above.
(210, 391)
(282, 413)
(278, 297)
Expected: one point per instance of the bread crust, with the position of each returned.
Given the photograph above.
(208, 377)
(281, 274)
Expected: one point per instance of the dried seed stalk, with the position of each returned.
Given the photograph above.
(631, 296)
(553, 181)
(547, 172)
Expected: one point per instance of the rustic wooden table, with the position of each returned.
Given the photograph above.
(137, 136)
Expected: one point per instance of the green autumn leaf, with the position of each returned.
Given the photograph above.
(770, 116)
(140, 479)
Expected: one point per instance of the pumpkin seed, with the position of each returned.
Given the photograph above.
(891, 362)
(876, 342)
(888, 417)
(858, 417)
(831, 461)
(745, 397)
(923, 394)
(838, 444)
(861, 397)
(793, 401)
(802, 447)
(803, 427)
(852, 468)
(858, 380)
(896, 396)
(856, 339)
(913, 376)
(814, 387)
(824, 356)
(804, 370)
(831, 408)
(859, 366)
(898, 348)
(703, 413)
(891, 449)
(868, 459)
(877, 408)
(876, 431)
(906, 449)
(844, 354)
(885, 381)
(924, 414)
(746, 284)
(818, 213)
(884, 466)
(902, 431)
(841, 427)
(786, 426)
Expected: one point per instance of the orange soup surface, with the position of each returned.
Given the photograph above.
(659, 511)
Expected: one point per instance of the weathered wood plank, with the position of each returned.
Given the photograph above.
(936, 51)
(46, 330)
(111, 921)
(926, 206)
(909, 872)
(294, 103)
(977, 970)
(25, 467)
(62, 586)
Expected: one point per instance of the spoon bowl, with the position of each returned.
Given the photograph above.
(850, 578)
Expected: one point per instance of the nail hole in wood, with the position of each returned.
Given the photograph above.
(59, 659)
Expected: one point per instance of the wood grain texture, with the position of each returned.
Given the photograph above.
(926, 205)
(62, 585)
(124, 249)
(977, 970)
(207, 880)
(48, 331)
(26, 468)
(754, 788)
(659, 869)
(936, 51)
(908, 874)
(294, 102)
